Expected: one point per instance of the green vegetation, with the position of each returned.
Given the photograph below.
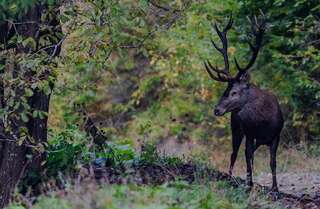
(176, 194)
(128, 73)
(173, 84)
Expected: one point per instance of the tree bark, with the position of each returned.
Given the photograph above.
(13, 157)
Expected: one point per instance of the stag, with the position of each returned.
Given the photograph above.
(255, 113)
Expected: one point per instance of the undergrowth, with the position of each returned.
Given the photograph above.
(173, 195)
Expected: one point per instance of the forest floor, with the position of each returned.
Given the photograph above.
(301, 197)
(163, 185)
(155, 181)
(297, 184)
(298, 174)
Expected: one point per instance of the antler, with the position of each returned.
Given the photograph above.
(224, 74)
(258, 28)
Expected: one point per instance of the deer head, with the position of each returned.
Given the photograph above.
(236, 94)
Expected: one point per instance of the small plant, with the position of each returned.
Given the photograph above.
(149, 154)
(115, 155)
(67, 150)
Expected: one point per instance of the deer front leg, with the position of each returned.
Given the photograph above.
(237, 137)
(249, 159)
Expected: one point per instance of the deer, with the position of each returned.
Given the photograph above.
(255, 113)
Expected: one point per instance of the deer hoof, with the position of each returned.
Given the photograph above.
(275, 189)
(248, 187)
(274, 195)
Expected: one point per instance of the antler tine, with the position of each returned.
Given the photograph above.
(224, 49)
(256, 26)
(218, 77)
(258, 30)
(218, 71)
(210, 73)
(229, 25)
(216, 47)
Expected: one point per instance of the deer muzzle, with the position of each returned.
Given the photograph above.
(218, 111)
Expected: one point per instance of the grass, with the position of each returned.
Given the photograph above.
(289, 159)
(174, 195)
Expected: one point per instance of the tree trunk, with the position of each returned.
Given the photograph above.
(13, 157)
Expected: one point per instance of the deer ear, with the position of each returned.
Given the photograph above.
(245, 77)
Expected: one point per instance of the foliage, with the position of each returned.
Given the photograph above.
(177, 194)
(67, 150)
(27, 66)
(158, 71)
(16, 8)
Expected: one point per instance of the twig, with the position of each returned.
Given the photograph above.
(141, 42)
(14, 26)
(235, 180)
(55, 46)
(11, 140)
(159, 6)
(310, 43)
(21, 23)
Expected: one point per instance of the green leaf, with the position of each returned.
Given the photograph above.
(30, 42)
(34, 85)
(28, 92)
(35, 113)
(24, 117)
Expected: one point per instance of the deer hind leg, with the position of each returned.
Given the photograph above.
(256, 146)
(273, 163)
(249, 159)
(237, 137)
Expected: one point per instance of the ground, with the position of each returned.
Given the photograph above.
(197, 179)
(298, 173)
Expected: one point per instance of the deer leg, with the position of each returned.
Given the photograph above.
(237, 137)
(249, 159)
(273, 163)
(256, 146)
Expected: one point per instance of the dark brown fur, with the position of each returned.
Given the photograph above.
(258, 118)
(255, 113)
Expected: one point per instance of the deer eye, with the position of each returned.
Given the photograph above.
(233, 93)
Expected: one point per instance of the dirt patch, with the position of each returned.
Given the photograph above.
(298, 184)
